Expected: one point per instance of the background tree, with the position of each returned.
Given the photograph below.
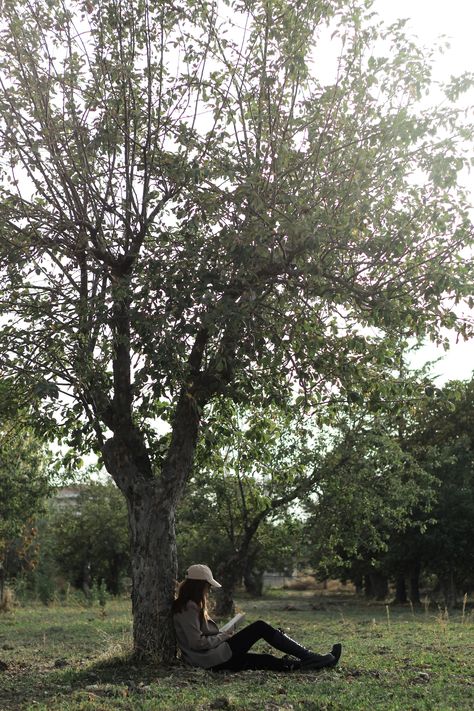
(254, 464)
(24, 479)
(275, 547)
(433, 540)
(187, 211)
(88, 540)
(442, 441)
(375, 489)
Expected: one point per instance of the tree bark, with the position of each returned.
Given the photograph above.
(225, 606)
(448, 587)
(86, 583)
(368, 588)
(153, 551)
(2, 582)
(358, 581)
(154, 569)
(230, 576)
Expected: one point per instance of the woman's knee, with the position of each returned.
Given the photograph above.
(264, 628)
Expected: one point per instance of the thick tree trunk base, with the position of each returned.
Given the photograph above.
(154, 569)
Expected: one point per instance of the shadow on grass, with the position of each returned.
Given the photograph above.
(122, 678)
(117, 676)
(121, 669)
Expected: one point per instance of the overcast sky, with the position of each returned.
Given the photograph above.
(431, 18)
(428, 19)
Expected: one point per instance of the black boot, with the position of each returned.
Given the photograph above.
(318, 661)
(336, 652)
(290, 664)
(309, 660)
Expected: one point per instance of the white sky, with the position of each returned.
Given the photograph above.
(428, 19)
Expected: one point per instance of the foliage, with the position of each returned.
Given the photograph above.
(442, 440)
(24, 478)
(374, 489)
(129, 225)
(370, 535)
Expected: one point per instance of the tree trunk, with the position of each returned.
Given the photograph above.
(2, 582)
(400, 590)
(152, 501)
(230, 576)
(448, 587)
(224, 606)
(415, 585)
(368, 588)
(113, 576)
(253, 581)
(358, 581)
(86, 583)
(151, 510)
(379, 584)
(154, 570)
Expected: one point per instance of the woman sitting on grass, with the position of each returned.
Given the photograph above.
(202, 644)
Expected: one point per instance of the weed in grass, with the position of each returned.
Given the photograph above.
(442, 618)
(464, 602)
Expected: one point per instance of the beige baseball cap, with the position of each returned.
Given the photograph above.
(202, 572)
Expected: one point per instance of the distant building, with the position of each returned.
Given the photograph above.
(66, 496)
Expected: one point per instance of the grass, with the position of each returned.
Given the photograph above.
(67, 658)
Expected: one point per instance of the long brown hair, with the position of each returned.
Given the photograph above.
(195, 590)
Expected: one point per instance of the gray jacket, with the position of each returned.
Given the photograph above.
(200, 642)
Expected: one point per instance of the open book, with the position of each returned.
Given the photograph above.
(234, 622)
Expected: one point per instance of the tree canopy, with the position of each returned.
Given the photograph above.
(442, 441)
(257, 239)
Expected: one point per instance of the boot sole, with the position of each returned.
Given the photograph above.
(318, 664)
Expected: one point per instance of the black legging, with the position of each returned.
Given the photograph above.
(242, 641)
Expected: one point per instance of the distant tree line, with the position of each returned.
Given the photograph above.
(434, 546)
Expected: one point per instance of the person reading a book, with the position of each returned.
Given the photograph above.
(202, 644)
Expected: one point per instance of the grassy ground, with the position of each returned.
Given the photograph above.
(74, 659)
